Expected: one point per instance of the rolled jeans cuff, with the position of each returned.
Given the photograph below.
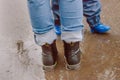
(72, 36)
(48, 38)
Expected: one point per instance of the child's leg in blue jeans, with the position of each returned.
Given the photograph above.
(71, 13)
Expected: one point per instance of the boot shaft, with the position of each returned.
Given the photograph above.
(71, 48)
(49, 55)
(72, 53)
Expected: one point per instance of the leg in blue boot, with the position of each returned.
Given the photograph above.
(92, 9)
(55, 8)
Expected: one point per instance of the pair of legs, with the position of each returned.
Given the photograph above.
(91, 10)
(71, 16)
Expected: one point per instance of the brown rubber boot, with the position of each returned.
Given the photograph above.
(72, 55)
(49, 56)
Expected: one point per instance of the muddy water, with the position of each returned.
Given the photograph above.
(100, 60)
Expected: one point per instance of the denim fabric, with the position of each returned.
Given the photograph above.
(41, 16)
(91, 10)
(71, 16)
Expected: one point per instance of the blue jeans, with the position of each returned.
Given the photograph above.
(71, 15)
(91, 10)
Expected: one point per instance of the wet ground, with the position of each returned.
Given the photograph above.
(101, 52)
(100, 60)
(20, 58)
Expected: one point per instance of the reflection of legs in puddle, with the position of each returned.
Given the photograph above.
(91, 9)
(43, 27)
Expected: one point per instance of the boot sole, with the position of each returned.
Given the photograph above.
(49, 68)
(73, 67)
(100, 32)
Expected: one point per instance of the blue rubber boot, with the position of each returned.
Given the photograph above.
(100, 28)
(58, 30)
